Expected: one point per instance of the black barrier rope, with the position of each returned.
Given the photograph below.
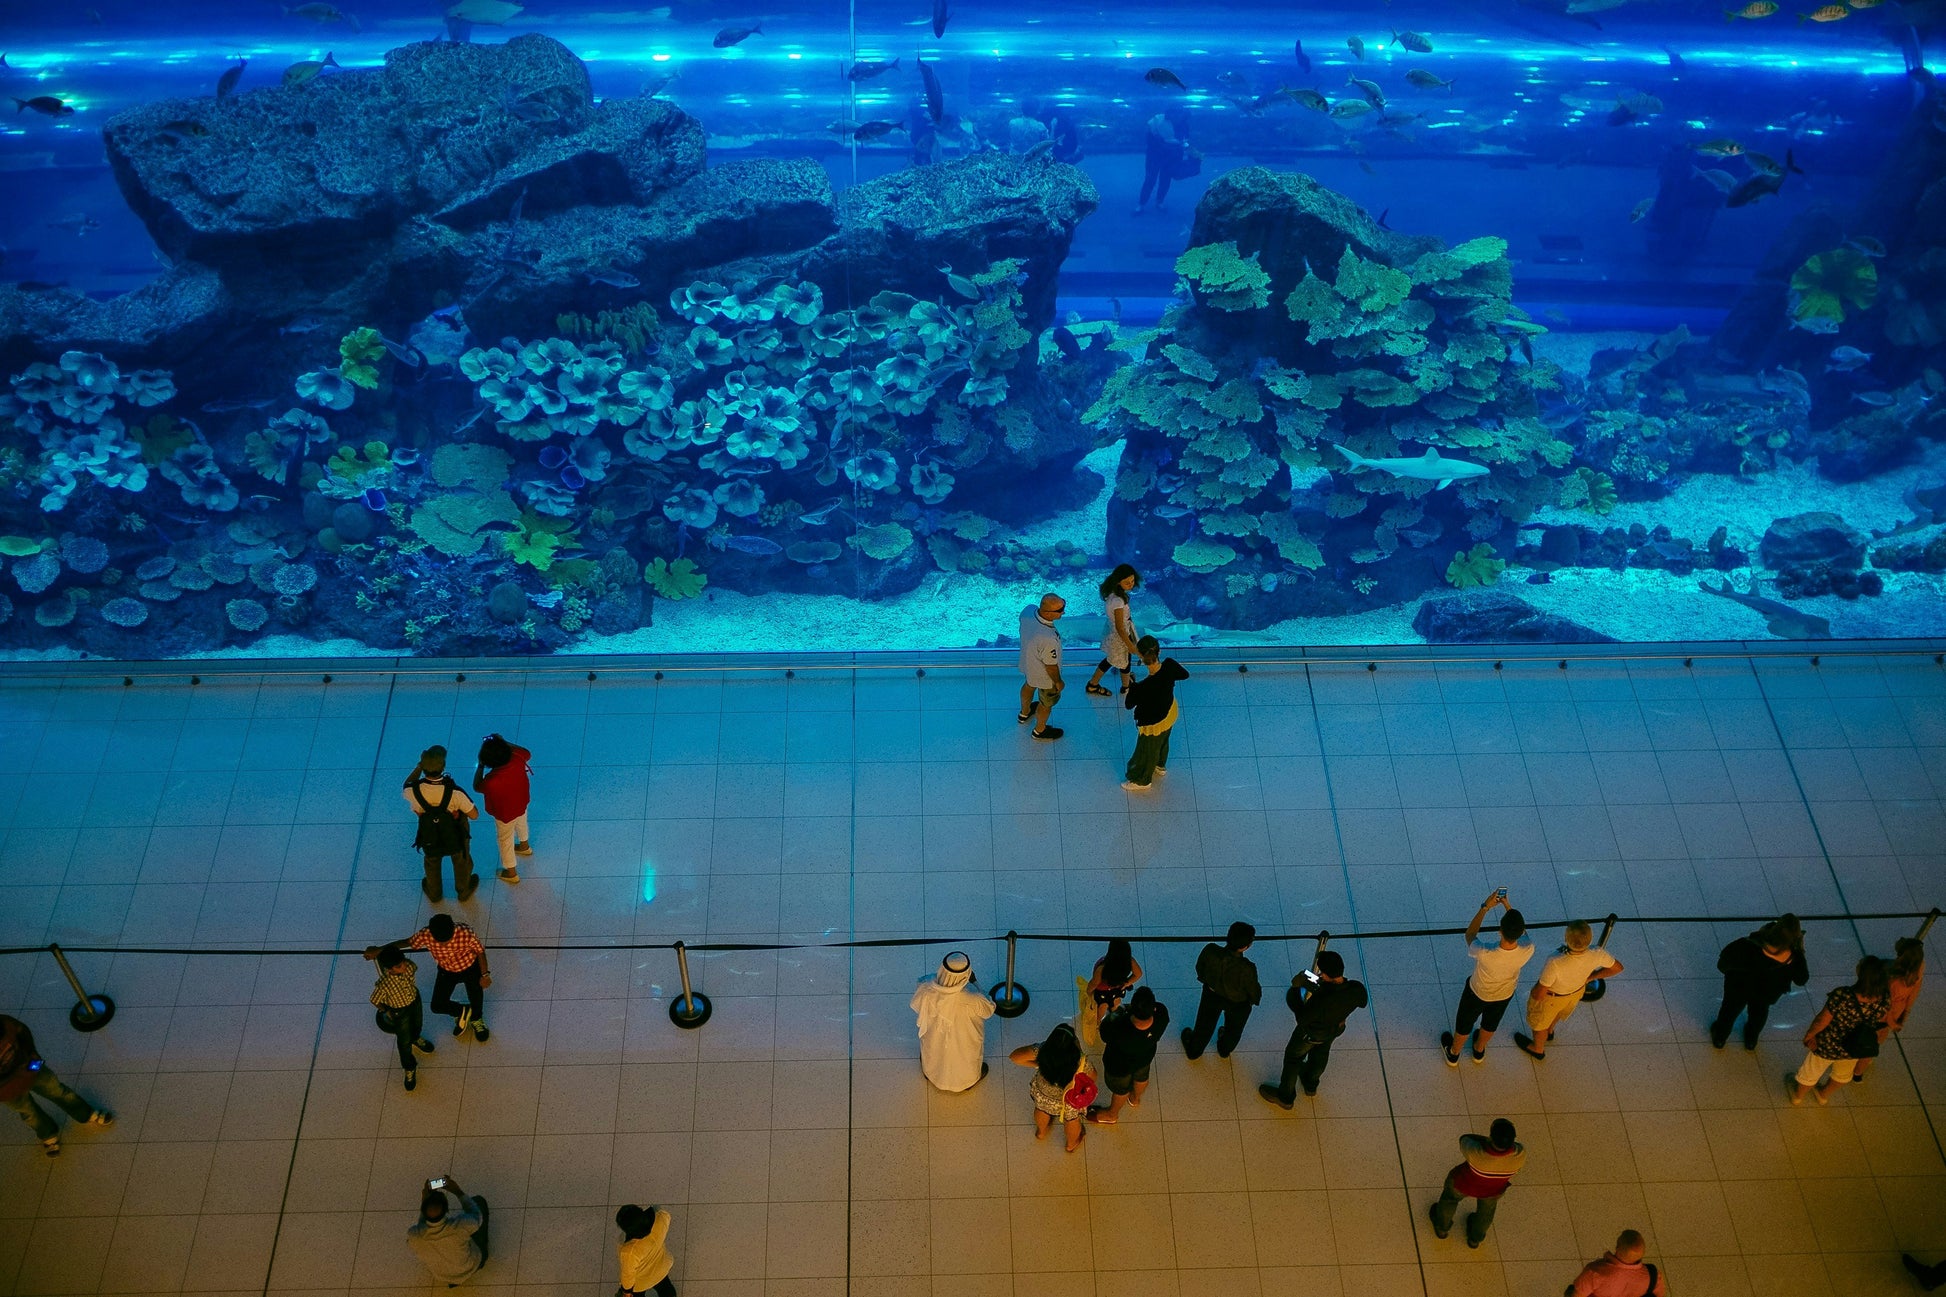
(887, 942)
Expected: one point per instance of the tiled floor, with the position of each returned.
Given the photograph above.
(265, 1144)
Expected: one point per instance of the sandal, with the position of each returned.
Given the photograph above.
(1100, 1117)
(1077, 1141)
(1099, 692)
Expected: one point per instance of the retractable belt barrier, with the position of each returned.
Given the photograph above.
(1010, 998)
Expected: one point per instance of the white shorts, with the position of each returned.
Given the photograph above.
(1814, 1068)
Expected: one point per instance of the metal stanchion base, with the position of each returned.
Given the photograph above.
(1009, 1002)
(104, 1010)
(691, 1013)
(1596, 989)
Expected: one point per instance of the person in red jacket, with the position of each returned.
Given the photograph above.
(502, 778)
(24, 1074)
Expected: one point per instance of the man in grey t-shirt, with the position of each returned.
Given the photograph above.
(1040, 663)
(451, 1244)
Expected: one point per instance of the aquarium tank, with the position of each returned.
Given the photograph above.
(396, 327)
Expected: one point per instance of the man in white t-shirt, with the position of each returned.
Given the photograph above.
(1490, 986)
(1564, 979)
(1040, 663)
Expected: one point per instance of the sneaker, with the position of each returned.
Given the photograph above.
(412, 1080)
(1051, 732)
(1479, 1055)
(1193, 1054)
(510, 875)
(464, 892)
(1134, 787)
(480, 1031)
(423, 1045)
(1310, 1089)
(1718, 1038)
(51, 1147)
(1270, 1094)
(1474, 1242)
(464, 1020)
(101, 1117)
(523, 848)
(1452, 1056)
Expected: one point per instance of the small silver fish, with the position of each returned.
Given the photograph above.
(961, 284)
(614, 278)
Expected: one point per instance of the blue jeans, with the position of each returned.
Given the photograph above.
(50, 1087)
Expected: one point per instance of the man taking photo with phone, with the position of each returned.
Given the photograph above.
(450, 1238)
(1320, 998)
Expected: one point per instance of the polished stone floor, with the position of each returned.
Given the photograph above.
(265, 1144)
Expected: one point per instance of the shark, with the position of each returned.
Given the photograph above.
(1430, 467)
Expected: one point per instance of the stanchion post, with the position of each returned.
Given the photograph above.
(1926, 927)
(1597, 987)
(1010, 997)
(1324, 939)
(691, 1009)
(90, 1012)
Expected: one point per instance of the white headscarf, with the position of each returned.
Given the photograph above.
(955, 971)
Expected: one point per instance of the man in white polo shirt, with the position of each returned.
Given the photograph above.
(1490, 987)
(1564, 980)
(1040, 663)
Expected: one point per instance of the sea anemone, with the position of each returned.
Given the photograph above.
(904, 371)
(483, 363)
(930, 482)
(147, 387)
(694, 507)
(857, 388)
(708, 348)
(328, 388)
(828, 335)
(740, 496)
(874, 470)
(590, 459)
(581, 381)
(548, 355)
(246, 615)
(91, 372)
(798, 303)
(125, 612)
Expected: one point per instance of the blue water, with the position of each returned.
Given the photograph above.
(1625, 481)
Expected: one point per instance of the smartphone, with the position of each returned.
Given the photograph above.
(441, 1184)
(1311, 975)
(1500, 892)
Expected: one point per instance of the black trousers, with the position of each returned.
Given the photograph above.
(1212, 1006)
(409, 1025)
(443, 983)
(1304, 1062)
(1736, 1000)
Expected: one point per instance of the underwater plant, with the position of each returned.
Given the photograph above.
(1474, 568)
(677, 580)
(358, 354)
(1826, 283)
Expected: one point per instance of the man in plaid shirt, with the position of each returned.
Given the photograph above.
(462, 961)
(400, 1012)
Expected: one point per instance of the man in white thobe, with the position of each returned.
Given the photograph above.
(953, 1017)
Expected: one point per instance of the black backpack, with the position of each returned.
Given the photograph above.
(442, 830)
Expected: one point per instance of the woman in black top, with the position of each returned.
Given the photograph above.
(1153, 700)
(1757, 972)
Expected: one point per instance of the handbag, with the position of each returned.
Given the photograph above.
(1081, 1091)
(388, 1021)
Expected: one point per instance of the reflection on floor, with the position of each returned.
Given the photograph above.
(264, 1141)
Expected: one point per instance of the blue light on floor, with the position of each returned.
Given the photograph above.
(648, 884)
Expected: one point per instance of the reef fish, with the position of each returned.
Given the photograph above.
(1165, 78)
(960, 284)
(1632, 106)
(1845, 359)
(298, 73)
(1430, 467)
(1825, 14)
(758, 545)
(78, 224)
(1311, 99)
(486, 13)
(1782, 620)
(45, 105)
(865, 69)
(614, 278)
(227, 82)
(736, 36)
(1370, 89)
(1755, 9)
(1866, 244)
(862, 131)
(1769, 166)
(1426, 80)
(1303, 59)
(1723, 180)
(1350, 108)
(935, 93)
(1356, 46)
(1725, 148)
(321, 13)
(1759, 186)
(1413, 41)
(941, 15)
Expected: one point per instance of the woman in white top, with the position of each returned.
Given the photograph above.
(1118, 640)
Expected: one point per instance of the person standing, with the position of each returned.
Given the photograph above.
(1620, 1272)
(1118, 640)
(1230, 991)
(1564, 980)
(450, 1241)
(1321, 1000)
(1495, 977)
(644, 1253)
(1114, 976)
(502, 778)
(460, 960)
(1907, 974)
(24, 1074)
(1129, 1035)
(1166, 155)
(443, 812)
(1062, 1086)
(1757, 972)
(1846, 1030)
(401, 1014)
(1153, 700)
(1486, 1173)
(1040, 663)
(953, 1015)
